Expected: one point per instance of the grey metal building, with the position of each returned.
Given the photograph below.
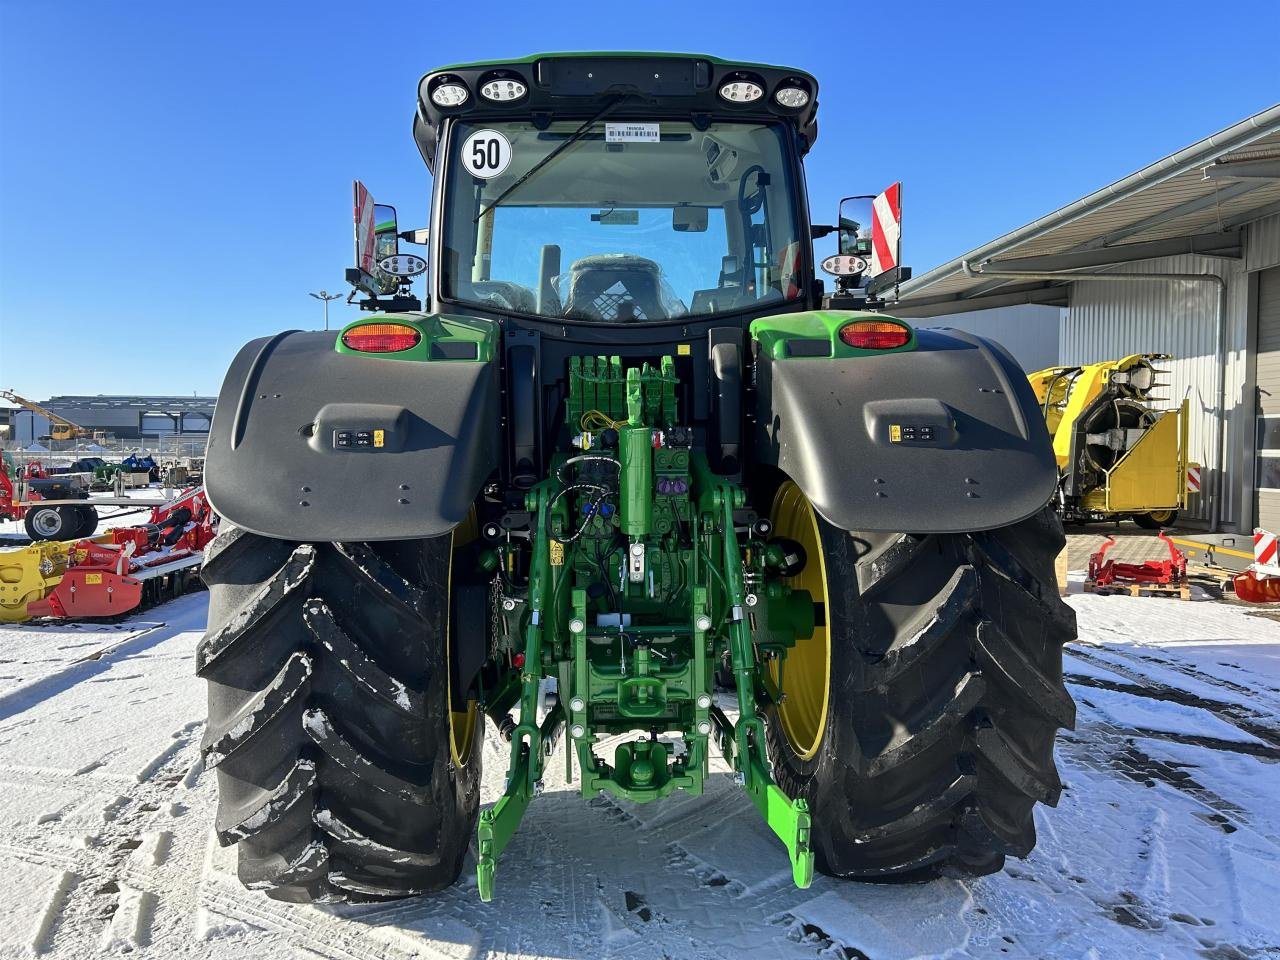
(1181, 257)
(127, 418)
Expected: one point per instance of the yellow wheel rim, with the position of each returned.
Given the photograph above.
(462, 724)
(806, 675)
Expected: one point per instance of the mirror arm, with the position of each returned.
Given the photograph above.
(819, 230)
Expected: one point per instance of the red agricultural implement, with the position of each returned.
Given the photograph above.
(1152, 576)
(112, 574)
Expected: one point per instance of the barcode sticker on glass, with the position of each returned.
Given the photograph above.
(631, 133)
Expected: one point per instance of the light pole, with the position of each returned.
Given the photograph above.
(326, 296)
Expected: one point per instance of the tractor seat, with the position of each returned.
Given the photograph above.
(506, 295)
(615, 287)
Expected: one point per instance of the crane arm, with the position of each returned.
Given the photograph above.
(43, 411)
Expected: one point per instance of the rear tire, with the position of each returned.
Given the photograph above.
(1156, 519)
(945, 692)
(87, 522)
(339, 776)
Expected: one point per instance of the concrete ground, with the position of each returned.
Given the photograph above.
(1133, 544)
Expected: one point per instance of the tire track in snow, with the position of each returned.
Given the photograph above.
(336, 935)
(41, 936)
(116, 893)
(1260, 724)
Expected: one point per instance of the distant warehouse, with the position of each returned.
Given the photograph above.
(145, 419)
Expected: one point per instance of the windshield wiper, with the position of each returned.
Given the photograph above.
(576, 136)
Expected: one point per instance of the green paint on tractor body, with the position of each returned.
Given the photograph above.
(775, 334)
(443, 337)
(615, 55)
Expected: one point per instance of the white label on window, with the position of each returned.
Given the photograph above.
(631, 133)
(486, 154)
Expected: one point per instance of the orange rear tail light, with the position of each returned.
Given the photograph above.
(875, 334)
(381, 338)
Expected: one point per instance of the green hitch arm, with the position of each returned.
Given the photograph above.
(788, 819)
(524, 775)
(498, 824)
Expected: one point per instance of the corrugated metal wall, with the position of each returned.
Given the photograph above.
(1028, 331)
(1262, 244)
(1114, 318)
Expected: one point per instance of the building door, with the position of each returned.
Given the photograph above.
(1267, 509)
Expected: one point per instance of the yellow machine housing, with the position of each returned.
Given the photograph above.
(30, 573)
(1117, 455)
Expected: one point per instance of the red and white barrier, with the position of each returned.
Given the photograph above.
(1265, 551)
(1261, 582)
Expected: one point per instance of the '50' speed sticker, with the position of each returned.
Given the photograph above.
(486, 154)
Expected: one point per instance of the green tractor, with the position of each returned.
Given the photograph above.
(634, 482)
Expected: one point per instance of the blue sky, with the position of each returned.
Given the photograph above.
(175, 177)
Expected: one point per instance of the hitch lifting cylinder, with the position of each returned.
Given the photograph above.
(635, 451)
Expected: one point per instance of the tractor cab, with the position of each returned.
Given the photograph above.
(614, 189)
(639, 206)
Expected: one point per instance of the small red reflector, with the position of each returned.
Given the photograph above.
(381, 338)
(875, 335)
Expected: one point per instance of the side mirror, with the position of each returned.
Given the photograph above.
(689, 219)
(854, 226)
(870, 244)
(376, 239)
(871, 227)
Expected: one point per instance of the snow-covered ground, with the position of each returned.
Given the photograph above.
(1166, 842)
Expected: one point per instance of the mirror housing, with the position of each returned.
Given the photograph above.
(854, 226)
(377, 240)
(868, 263)
(687, 219)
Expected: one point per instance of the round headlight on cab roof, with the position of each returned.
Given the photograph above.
(792, 97)
(503, 89)
(450, 93)
(739, 89)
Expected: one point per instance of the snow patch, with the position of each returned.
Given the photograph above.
(130, 925)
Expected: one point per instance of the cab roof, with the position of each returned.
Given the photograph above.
(577, 85)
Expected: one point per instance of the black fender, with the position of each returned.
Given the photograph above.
(292, 450)
(944, 438)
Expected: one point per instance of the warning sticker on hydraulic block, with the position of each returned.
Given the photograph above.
(632, 133)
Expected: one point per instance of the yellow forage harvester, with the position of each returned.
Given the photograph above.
(1118, 456)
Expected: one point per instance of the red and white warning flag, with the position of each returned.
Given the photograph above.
(1265, 551)
(886, 230)
(1193, 478)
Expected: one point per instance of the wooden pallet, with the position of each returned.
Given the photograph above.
(1180, 590)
